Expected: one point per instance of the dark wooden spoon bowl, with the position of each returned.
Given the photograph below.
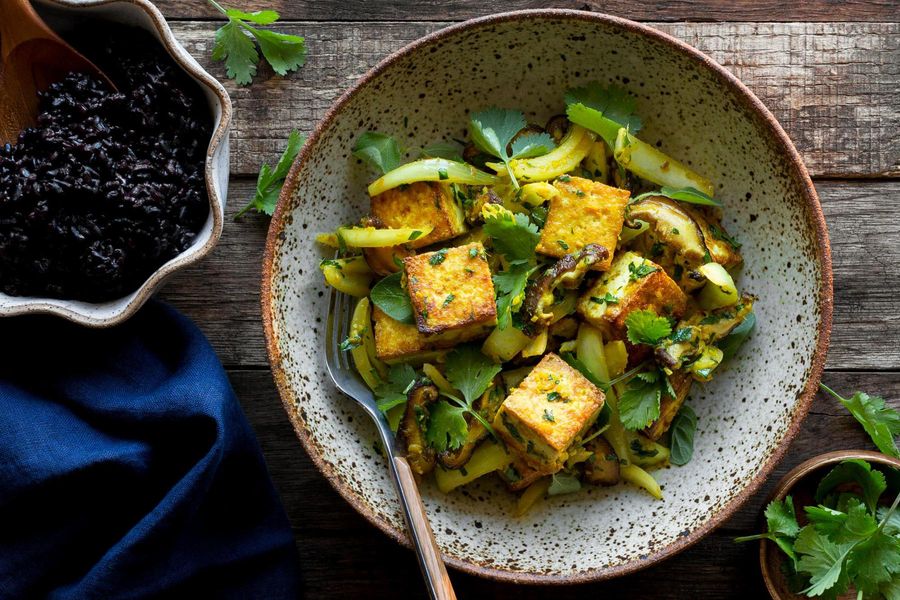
(32, 57)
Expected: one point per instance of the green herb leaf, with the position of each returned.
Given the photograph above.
(393, 392)
(513, 235)
(823, 560)
(851, 526)
(378, 150)
(856, 471)
(781, 522)
(447, 428)
(881, 422)
(874, 561)
(389, 295)
(644, 327)
(563, 483)
(687, 194)
(640, 271)
(613, 102)
(446, 150)
(684, 425)
(470, 371)
(510, 286)
(284, 52)
(493, 129)
(639, 403)
(270, 181)
(604, 299)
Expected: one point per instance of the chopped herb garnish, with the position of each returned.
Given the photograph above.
(442, 174)
(448, 299)
(548, 416)
(473, 252)
(438, 257)
(605, 299)
(562, 244)
(415, 235)
(636, 272)
(553, 396)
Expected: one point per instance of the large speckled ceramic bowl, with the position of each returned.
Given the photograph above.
(695, 110)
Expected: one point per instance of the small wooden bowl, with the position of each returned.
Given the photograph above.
(800, 483)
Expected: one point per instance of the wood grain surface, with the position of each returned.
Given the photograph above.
(833, 82)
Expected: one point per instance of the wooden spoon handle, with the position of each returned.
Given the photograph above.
(430, 561)
(19, 23)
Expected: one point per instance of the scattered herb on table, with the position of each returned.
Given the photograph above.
(236, 44)
(880, 421)
(269, 181)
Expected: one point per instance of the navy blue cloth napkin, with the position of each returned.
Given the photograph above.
(127, 469)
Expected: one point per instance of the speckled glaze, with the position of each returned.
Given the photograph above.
(696, 111)
(65, 14)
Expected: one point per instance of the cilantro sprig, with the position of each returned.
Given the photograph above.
(849, 542)
(602, 109)
(645, 327)
(880, 421)
(270, 181)
(639, 404)
(494, 130)
(236, 44)
(470, 372)
(515, 237)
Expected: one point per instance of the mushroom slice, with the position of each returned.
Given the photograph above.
(567, 273)
(411, 435)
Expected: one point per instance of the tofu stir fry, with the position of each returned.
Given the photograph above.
(537, 302)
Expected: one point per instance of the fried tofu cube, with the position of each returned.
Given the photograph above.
(451, 289)
(397, 342)
(632, 283)
(421, 204)
(546, 412)
(584, 212)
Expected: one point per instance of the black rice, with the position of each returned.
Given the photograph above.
(109, 185)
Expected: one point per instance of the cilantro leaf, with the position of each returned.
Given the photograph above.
(891, 520)
(513, 235)
(874, 561)
(640, 271)
(823, 560)
(563, 483)
(389, 295)
(686, 194)
(684, 425)
(270, 181)
(871, 481)
(854, 525)
(470, 371)
(450, 151)
(492, 131)
(378, 150)
(639, 403)
(510, 286)
(782, 526)
(881, 422)
(447, 427)
(238, 51)
(393, 392)
(614, 102)
(644, 327)
(283, 52)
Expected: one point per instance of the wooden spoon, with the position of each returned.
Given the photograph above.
(32, 57)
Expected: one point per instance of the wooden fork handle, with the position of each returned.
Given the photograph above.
(430, 561)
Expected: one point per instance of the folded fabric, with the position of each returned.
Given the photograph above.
(127, 469)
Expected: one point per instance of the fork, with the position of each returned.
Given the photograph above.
(347, 380)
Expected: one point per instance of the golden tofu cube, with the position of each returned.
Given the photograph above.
(546, 412)
(397, 342)
(632, 283)
(584, 212)
(451, 289)
(421, 204)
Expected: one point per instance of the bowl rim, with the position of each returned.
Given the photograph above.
(68, 308)
(787, 483)
(825, 300)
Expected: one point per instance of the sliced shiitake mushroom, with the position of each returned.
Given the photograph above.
(411, 434)
(557, 127)
(567, 273)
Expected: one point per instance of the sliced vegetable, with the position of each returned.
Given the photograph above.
(632, 229)
(641, 478)
(370, 237)
(348, 275)
(649, 163)
(489, 457)
(438, 379)
(596, 162)
(431, 169)
(616, 357)
(644, 452)
(537, 346)
(603, 466)
(719, 290)
(531, 496)
(703, 367)
(565, 157)
(537, 193)
(503, 344)
(361, 329)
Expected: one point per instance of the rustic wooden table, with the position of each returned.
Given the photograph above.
(831, 74)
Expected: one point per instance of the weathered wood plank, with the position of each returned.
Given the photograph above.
(832, 85)
(340, 553)
(222, 293)
(669, 10)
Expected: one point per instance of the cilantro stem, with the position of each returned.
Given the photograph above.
(890, 511)
(750, 538)
(218, 7)
(832, 392)
(512, 177)
(465, 405)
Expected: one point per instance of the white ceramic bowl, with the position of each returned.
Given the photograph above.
(64, 14)
(699, 113)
